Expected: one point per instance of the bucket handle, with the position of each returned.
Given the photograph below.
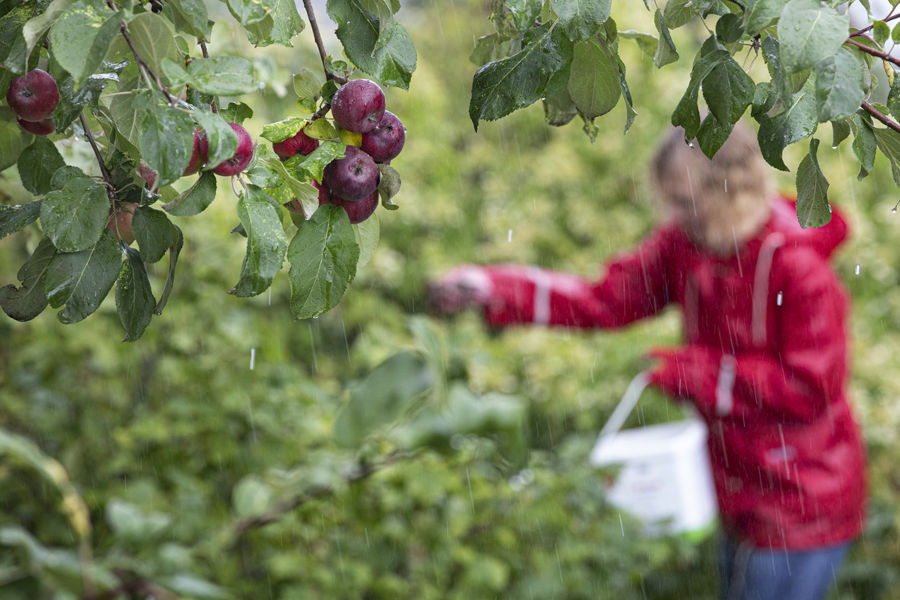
(626, 405)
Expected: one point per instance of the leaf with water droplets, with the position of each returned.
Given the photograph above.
(813, 209)
(323, 257)
(134, 297)
(81, 280)
(266, 242)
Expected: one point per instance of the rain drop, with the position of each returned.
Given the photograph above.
(726, 186)
(690, 144)
(779, 299)
(509, 235)
(857, 269)
(252, 358)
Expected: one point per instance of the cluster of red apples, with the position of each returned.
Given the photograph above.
(352, 182)
(33, 96)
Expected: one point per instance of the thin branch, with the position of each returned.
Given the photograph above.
(314, 25)
(140, 61)
(880, 116)
(107, 177)
(873, 51)
(872, 26)
(203, 49)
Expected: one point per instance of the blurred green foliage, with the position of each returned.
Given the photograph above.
(225, 410)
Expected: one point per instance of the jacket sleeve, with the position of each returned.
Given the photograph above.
(635, 286)
(798, 381)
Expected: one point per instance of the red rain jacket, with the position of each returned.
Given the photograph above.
(765, 363)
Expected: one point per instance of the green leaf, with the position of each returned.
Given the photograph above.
(729, 28)
(174, 253)
(266, 242)
(81, 280)
(840, 130)
(630, 113)
(194, 15)
(593, 80)
(81, 37)
(167, 142)
(728, 91)
(72, 101)
(220, 138)
(74, 217)
(37, 164)
(308, 83)
(303, 192)
(794, 124)
(881, 32)
(222, 75)
(13, 47)
(153, 232)
(13, 139)
(679, 12)
(129, 121)
(248, 12)
(712, 134)
(132, 524)
(28, 301)
(665, 50)
(559, 108)
(388, 54)
(279, 26)
(367, 235)
(864, 144)
(581, 18)
(771, 51)
(646, 42)
(321, 129)
(311, 166)
(686, 113)
(153, 38)
(36, 27)
(763, 14)
(134, 298)
(389, 185)
(236, 112)
(251, 497)
(813, 209)
(888, 142)
(323, 257)
(810, 31)
(282, 130)
(840, 86)
(190, 586)
(538, 70)
(385, 394)
(893, 99)
(196, 198)
(15, 218)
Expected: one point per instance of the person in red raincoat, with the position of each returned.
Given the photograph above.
(764, 359)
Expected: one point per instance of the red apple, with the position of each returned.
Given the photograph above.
(385, 141)
(358, 106)
(242, 155)
(358, 211)
(148, 174)
(120, 221)
(42, 127)
(197, 157)
(353, 177)
(33, 96)
(298, 144)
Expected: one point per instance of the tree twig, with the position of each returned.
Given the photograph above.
(107, 177)
(862, 31)
(873, 51)
(205, 52)
(880, 116)
(314, 25)
(142, 64)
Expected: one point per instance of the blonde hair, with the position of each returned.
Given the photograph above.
(720, 201)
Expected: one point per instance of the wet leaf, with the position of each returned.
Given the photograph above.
(134, 297)
(74, 217)
(266, 242)
(81, 280)
(37, 164)
(29, 300)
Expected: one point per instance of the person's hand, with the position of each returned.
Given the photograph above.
(683, 372)
(459, 288)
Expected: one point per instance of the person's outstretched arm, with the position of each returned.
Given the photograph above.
(636, 285)
(799, 380)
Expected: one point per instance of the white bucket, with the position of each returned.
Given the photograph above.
(665, 480)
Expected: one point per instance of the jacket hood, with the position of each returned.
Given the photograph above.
(825, 240)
